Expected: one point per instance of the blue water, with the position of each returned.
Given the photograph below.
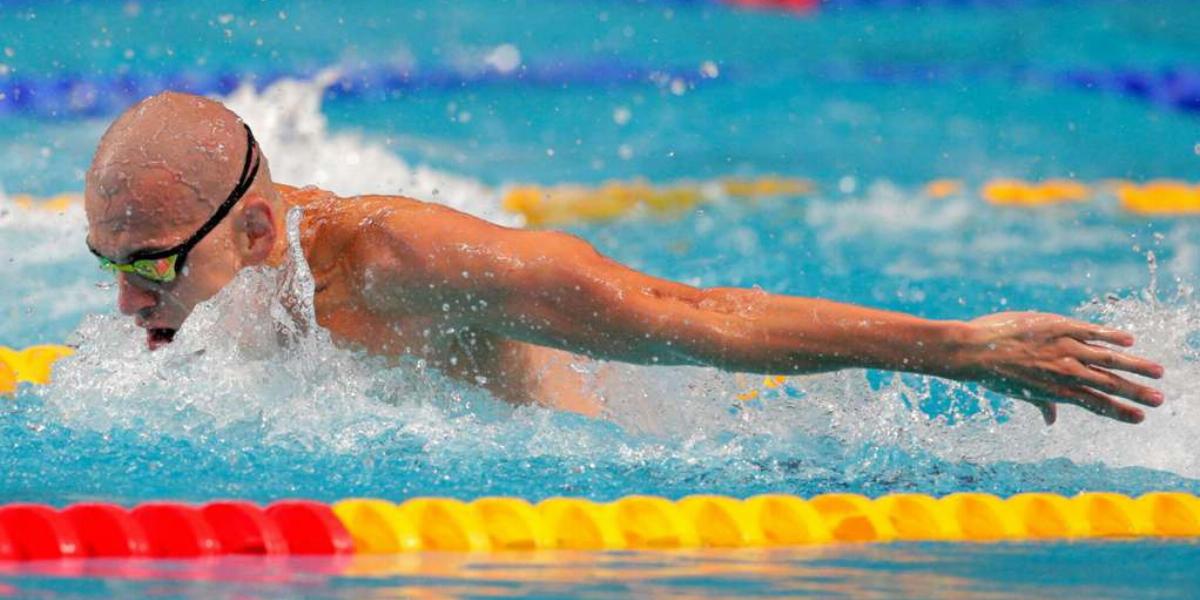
(793, 96)
(1162, 570)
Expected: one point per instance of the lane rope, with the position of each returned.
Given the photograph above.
(70, 95)
(497, 524)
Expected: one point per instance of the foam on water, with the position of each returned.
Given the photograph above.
(33, 260)
(288, 123)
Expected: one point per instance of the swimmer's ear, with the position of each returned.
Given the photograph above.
(257, 229)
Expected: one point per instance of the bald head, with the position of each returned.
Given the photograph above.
(172, 151)
(158, 177)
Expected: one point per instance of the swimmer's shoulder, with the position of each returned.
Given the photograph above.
(328, 205)
(336, 230)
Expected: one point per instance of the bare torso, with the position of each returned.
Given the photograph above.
(518, 372)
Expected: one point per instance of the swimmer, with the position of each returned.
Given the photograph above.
(179, 199)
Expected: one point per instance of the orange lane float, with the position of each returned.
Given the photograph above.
(374, 526)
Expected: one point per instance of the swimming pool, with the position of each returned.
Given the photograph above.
(870, 102)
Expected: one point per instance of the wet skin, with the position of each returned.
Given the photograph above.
(510, 309)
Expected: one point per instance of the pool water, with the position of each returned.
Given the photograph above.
(715, 92)
(1161, 570)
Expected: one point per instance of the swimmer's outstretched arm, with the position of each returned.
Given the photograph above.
(554, 289)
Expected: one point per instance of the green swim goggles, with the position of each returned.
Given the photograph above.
(163, 266)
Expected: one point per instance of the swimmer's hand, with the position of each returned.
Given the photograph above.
(1046, 359)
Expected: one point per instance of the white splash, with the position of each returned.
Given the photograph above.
(32, 259)
(246, 360)
(287, 121)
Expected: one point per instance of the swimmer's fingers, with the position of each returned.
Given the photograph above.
(1088, 332)
(1111, 383)
(1111, 359)
(1048, 409)
(1099, 403)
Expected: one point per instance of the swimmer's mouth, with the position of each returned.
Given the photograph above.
(157, 337)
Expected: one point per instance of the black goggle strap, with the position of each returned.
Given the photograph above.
(244, 183)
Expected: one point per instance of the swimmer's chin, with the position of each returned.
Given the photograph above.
(159, 337)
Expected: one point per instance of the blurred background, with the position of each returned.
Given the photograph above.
(586, 90)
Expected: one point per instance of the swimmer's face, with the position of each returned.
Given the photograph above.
(151, 209)
(178, 168)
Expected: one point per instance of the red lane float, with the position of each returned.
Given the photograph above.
(310, 527)
(8, 550)
(243, 528)
(107, 530)
(798, 6)
(176, 530)
(38, 532)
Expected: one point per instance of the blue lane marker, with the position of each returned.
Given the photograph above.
(75, 96)
(1174, 88)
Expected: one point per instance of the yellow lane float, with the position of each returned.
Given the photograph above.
(580, 524)
(650, 522)
(1171, 514)
(53, 204)
(1047, 516)
(852, 518)
(8, 378)
(446, 524)
(917, 517)
(1163, 198)
(559, 204)
(1111, 515)
(377, 526)
(30, 365)
(513, 524)
(1021, 193)
(981, 517)
(722, 522)
(787, 520)
(769, 520)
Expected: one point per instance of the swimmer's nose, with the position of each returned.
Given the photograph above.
(132, 299)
